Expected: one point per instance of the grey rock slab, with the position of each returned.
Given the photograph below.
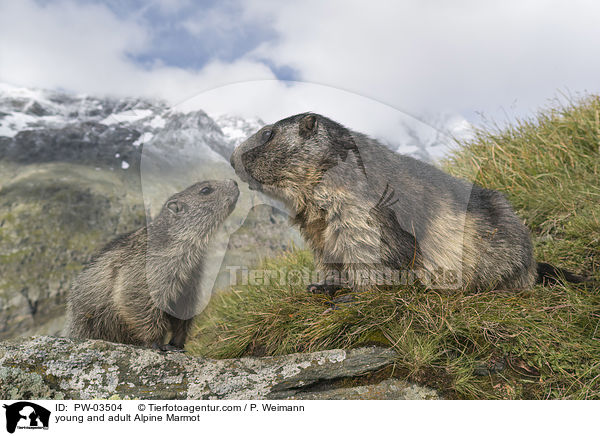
(51, 367)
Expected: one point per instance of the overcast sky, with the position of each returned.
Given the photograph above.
(502, 59)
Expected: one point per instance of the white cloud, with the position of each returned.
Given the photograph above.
(418, 57)
(85, 48)
(215, 20)
(459, 56)
(64, 44)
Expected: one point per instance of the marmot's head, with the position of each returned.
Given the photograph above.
(287, 159)
(193, 214)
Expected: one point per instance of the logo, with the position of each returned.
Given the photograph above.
(26, 415)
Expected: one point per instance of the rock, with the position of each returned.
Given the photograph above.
(390, 389)
(59, 368)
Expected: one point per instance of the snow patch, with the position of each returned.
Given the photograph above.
(157, 122)
(124, 165)
(129, 116)
(237, 129)
(13, 123)
(7, 90)
(144, 138)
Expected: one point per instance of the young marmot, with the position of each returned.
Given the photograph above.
(145, 283)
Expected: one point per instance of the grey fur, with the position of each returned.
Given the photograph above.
(144, 284)
(361, 206)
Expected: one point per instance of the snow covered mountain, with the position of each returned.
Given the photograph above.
(56, 126)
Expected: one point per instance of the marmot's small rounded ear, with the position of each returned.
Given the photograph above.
(308, 125)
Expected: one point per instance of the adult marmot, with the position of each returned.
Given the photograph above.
(145, 283)
(364, 209)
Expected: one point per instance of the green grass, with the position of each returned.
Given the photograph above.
(549, 337)
(549, 168)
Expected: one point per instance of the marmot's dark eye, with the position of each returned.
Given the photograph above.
(266, 135)
(206, 190)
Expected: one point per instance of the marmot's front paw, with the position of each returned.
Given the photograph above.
(341, 300)
(321, 288)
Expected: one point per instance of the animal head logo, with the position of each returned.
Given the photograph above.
(24, 414)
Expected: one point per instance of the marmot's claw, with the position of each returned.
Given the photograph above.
(492, 367)
(336, 302)
(168, 347)
(315, 288)
(348, 298)
(320, 288)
